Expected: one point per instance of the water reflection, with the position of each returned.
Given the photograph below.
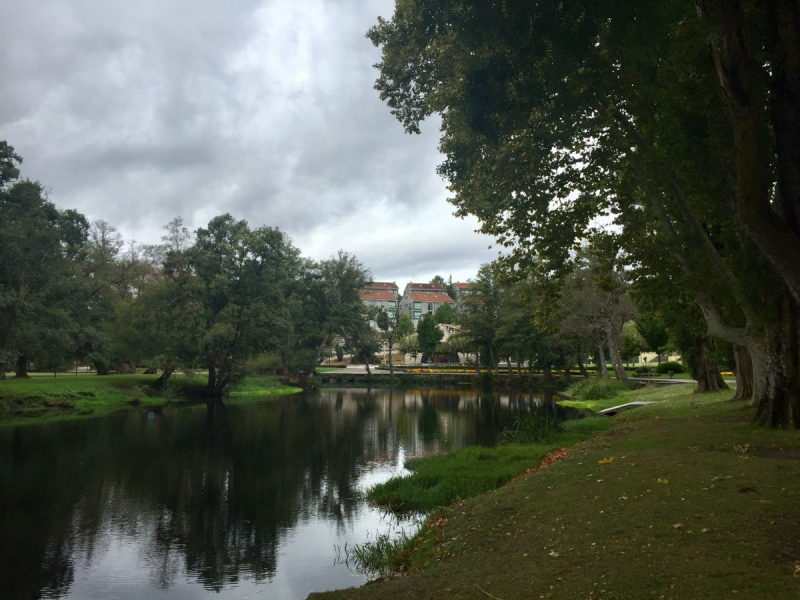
(227, 501)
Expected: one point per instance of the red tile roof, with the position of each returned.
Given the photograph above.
(430, 297)
(462, 286)
(377, 295)
(426, 286)
(381, 285)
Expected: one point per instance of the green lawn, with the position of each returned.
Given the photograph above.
(684, 499)
(42, 398)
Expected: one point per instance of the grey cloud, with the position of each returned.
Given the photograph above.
(135, 112)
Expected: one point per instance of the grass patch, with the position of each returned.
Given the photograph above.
(381, 556)
(442, 479)
(597, 389)
(683, 499)
(262, 386)
(40, 399)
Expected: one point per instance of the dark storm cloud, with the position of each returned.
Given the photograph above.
(137, 111)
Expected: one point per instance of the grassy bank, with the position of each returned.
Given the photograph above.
(39, 399)
(684, 499)
(442, 479)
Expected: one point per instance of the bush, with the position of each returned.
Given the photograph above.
(666, 367)
(266, 363)
(643, 370)
(597, 389)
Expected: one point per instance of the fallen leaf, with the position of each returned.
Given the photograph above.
(678, 526)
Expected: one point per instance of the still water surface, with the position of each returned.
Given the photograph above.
(246, 501)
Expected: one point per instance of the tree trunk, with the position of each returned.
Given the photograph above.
(101, 366)
(519, 368)
(510, 370)
(212, 376)
(21, 371)
(744, 373)
(477, 362)
(582, 367)
(704, 371)
(165, 374)
(614, 341)
(547, 374)
(284, 366)
(776, 369)
(602, 371)
(391, 363)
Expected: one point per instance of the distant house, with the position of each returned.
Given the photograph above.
(449, 330)
(460, 291)
(379, 296)
(418, 303)
(424, 287)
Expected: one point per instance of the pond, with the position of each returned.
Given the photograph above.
(248, 500)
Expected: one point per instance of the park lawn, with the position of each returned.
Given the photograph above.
(684, 499)
(68, 396)
(39, 399)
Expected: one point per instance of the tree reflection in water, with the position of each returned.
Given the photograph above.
(210, 493)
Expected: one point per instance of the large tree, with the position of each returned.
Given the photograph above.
(39, 302)
(242, 276)
(556, 113)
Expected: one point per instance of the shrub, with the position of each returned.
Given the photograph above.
(666, 367)
(643, 370)
(266, 363)
(597, 389)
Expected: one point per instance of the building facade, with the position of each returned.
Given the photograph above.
(416, 304)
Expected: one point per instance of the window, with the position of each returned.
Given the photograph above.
(417, 315)
(390, 314)
(392, 304)
(417, 305)
(430, 306)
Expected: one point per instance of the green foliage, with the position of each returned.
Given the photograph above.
(537, 427)
(339, 353)
(666, 367)
(266, 363)
(597, 389)
(429, 335)
(404, 327)
(439, 480)
(381, 556)
(632, 341)
(445, 314)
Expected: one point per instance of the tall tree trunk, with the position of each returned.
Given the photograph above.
(477, 361)
(602, 370)
(703, 370)
(510, 369)
(101, 366)
(284, 366)
(616, 360)
(212, 376)
(776, 369)
(744, 373)
(21, 371)
(519, 367)
(391, 363)
(582, 367)
(547, 374)
(165, 374)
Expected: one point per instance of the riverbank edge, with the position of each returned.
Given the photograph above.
(44, 400)
(684, 498)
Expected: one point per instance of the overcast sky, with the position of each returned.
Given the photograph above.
(135, 112)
